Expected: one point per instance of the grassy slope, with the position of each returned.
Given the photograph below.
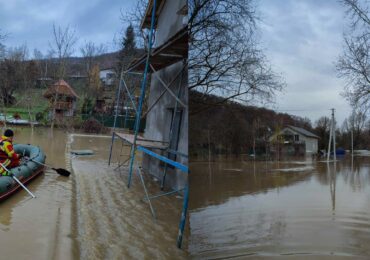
(38, 103)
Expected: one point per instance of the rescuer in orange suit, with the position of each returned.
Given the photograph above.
(8, 157)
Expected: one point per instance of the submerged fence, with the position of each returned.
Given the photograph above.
(122, 121)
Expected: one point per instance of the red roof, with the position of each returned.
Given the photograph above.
(62, 88)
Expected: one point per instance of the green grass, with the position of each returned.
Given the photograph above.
(39, 103)
(23, 112)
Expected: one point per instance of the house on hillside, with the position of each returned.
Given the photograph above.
(62, 99)
(292, 140)
(167, 120)
(107, 77)
(43, 82)
(104, 103)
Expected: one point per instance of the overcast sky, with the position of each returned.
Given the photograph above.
(31, 22)
(303, 40)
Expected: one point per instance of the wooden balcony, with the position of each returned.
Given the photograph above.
(63, 105)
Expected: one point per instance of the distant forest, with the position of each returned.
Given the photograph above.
(232, 128)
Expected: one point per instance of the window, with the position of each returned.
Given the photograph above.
(110, 75)
(296, 138)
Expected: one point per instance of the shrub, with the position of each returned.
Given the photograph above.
(92, 125)
(39, 116)
(16, 116)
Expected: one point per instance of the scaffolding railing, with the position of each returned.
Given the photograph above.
(146, 146)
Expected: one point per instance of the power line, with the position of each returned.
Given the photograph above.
(297, 110)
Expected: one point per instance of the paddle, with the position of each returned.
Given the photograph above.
(19, 182)
(60, 171)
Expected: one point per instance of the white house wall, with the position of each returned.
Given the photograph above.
(311, 144)
(169, 22)
(103, 74)
(158, 121)
(158, 124)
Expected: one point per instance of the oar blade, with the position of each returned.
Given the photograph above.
(62, 172)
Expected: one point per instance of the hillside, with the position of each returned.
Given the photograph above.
(230, 127)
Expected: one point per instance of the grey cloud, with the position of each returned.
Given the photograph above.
(31, 21)
(303, 40)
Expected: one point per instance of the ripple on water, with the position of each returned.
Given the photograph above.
(115, 223)
(319, 214)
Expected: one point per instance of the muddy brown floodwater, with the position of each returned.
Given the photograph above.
(297, 209)
(40, 228)
(90, 215)
(113, 221)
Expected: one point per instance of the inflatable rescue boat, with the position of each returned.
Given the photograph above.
(25, 172)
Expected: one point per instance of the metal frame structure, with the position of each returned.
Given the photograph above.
(152, 61)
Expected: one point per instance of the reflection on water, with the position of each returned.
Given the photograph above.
(280, 208)
(13, 202)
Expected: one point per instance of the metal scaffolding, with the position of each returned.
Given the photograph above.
(173, 51)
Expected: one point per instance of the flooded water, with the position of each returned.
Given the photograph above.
(40, 228)
(90, 215)
(113, 221)
(288, 209)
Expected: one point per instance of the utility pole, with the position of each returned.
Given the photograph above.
(332, 137)
(334, 145)
(329, 145)
(352, 140)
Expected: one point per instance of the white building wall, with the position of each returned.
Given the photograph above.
(311, 144)
(158, 121)
(104, 76)
(169, 22)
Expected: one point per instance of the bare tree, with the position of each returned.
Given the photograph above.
(356, 123)
(95, 86)
(2, 36)
(2, 47)
(90, 51)
(42, 63)
(322, 127)
(354, 64)
(134, 18)
(31, 73)
(224, 58)
(12, 71)
(62, 49)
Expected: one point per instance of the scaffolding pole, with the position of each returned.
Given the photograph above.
(139, 144)
(171, 129)
(164, 92)
(182, 168)
(167, 88)
(142, 95)
(129, 95)
(115, 116)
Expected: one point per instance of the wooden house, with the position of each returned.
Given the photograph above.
(62, 99)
